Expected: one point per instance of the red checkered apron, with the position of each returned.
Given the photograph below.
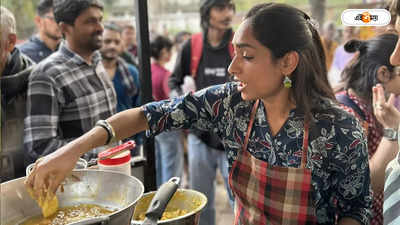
(266, 194)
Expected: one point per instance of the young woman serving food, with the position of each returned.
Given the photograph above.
(294, 156)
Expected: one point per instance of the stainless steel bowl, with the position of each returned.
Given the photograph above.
(190, 200)
(80, 164)
(109, 189)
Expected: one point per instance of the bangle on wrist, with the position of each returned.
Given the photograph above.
(398, 135)
(390, 134)
(110, 130)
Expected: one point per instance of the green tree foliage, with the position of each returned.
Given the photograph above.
(24, 12)
(245, 5)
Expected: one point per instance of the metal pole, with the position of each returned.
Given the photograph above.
(145, 86)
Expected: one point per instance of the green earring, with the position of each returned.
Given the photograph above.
(287, 82)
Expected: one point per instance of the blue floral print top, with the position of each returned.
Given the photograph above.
(337, 152)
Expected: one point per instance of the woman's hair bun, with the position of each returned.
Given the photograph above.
(353, 45)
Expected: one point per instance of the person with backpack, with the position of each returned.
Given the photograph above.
(206, 57)
(369, 68)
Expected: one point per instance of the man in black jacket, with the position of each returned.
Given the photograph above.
(15, 69)
(206, 58)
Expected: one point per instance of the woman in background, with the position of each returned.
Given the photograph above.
(370, 67)
(168, 145)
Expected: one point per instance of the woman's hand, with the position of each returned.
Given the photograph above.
(49, 171)
(52, 169)
(385, 111)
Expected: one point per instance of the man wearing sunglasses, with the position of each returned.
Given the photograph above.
(46, 41)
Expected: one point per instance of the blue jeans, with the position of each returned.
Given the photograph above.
(203, 164)
(169, 156)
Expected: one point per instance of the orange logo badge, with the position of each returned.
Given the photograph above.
(366, 17)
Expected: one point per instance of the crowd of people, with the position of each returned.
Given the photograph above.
(303, 130)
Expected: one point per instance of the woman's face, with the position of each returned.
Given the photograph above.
(165, 55)
(395, 57)
(253, 66)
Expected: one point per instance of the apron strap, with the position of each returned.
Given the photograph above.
(305, 135)
(250, 126)
(305, 145)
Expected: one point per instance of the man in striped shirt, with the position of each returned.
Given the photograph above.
(69, 91)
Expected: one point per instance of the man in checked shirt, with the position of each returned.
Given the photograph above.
(69, 91)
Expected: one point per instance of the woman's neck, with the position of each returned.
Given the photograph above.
(278, 108)
(279, 103)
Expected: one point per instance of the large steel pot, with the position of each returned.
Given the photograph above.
(190, 200)
(106, 188)
(80, 164)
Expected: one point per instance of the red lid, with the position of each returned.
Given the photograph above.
(113, 156)
(115, 161)
(116, 150)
